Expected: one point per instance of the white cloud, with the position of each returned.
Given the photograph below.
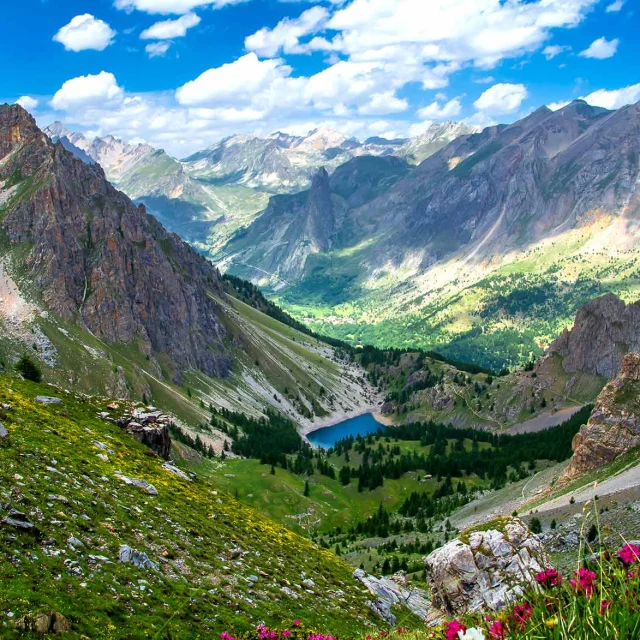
(436, 112)
(29, 103)
(481, 32)
(157, 49)
(601, 49)
(234, 81)
(85, 32)
(90, 90)
(484, 80)
(554, 106)
(614, 98)
(501, 98)
(383, 103)
(178, 7)
(615, 6)
(285, 36)
(168, 29)
(554, 50)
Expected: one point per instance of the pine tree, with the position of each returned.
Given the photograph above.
(29, 369)
(306, 489)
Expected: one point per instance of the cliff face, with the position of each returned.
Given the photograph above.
(605, 330)
(614, 426)
(96, 258)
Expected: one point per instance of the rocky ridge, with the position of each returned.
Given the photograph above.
(95, 257)
(605, 330)
(614, 426)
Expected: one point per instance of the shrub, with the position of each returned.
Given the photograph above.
(29, 369)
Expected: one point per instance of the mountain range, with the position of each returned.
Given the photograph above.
(212, 193)
(485, 250)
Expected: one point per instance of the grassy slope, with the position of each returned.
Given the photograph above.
(490, 314)
(50, 469)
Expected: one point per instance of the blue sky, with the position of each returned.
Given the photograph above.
(181, 74)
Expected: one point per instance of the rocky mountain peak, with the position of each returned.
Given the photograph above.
(95, 257)
(605, 330)
(17, 127)
(614, 426)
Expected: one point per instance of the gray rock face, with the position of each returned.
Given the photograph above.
(138, 559)
(605, 330)
(488, 571)
(3, 432)
(96, 255)
(391, 592)
(138, 482)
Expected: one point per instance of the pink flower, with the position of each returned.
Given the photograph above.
(497, 630)
(522, 613)
(629, 554)
(549, 578)
(585, 582)
(225, 636)
(452, 629)
(604, 605)
(296, 623)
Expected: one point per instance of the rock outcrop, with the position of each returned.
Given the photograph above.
(484, 569)
(604, 331)
(95, 257)
(393, 592)
(151, 428)
(614, 426)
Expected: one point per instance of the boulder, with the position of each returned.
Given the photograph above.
(47, 400)
(3, 432)
(138, 559)
(484, 569)
(44, 623)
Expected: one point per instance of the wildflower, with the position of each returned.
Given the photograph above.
(629, 554)
(584, 582)
(522, 613)
(604, 605)
(497, 630)
(452, 630)
(549, 578)
(551, 623)
(296, 623)
(225, 636)
(471, 634)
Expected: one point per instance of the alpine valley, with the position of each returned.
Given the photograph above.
(172, 332)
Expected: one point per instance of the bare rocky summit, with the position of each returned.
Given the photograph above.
(614, 426)
(605, 330)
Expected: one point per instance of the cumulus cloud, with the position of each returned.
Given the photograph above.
(554, 106)
(614, 98)
(85, 32)
(436, 112)
(157, 49)
(237, 81)
(178, 7)
(501, 98)
(554, 50)
(285, 36)
(481, 32)
(382, 104)
(29, 103)
(601, 49)
(90, 90)
(168, 29)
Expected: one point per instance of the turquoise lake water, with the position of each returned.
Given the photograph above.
(328, 436)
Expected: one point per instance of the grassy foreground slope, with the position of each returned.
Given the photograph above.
(219, 564)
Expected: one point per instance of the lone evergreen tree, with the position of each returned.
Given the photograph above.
(306, 488)
(29, 369)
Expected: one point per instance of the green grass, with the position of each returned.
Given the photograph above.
(50, 470)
